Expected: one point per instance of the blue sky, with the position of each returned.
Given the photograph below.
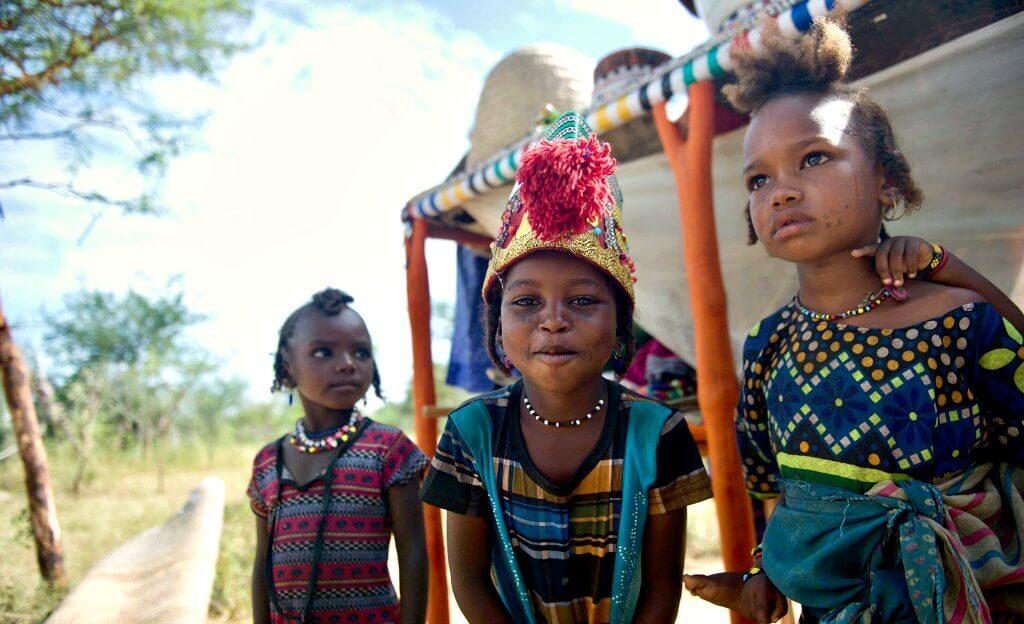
(314, 141)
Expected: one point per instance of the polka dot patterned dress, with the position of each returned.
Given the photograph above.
(849, 406)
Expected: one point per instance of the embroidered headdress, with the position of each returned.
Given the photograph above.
(565, 199)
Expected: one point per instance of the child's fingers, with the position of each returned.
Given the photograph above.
(694, 582)
(882, 262)
(722, 589)
(865, 251)
(781, 606)
(897, 260)
(763, 611)
(919, 254)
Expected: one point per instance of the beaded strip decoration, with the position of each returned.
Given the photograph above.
(572, 422)
(323, 441)
(867, 304)
(939, 257)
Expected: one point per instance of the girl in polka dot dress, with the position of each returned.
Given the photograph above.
(329, 496)
(881, 412)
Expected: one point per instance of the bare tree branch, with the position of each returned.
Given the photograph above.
(82, 124)
(68, 190)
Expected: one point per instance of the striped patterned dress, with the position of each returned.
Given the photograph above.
(353, 584)
(564, 534)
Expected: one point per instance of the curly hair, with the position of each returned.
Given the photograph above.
(623, 328)
(817, 63)
(329, 302)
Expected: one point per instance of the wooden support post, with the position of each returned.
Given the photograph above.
(717, 387)
(42, 509)
(418, 294)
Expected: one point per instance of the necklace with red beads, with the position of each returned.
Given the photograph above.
(323, 441)
(871, 301)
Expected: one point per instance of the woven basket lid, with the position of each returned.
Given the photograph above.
(516, 91)
(621, 67)
(638, 137)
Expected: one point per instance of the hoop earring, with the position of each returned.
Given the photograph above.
(619, 351)
(889, 211)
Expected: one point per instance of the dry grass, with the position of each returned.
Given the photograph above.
(121, 499)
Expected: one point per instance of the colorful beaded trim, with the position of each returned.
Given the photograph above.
(322, 441)
(869, 303)
(939, 257)
(752, 572)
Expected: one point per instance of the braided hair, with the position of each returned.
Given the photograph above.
(623, 327)
(817, 63)
(329, 302)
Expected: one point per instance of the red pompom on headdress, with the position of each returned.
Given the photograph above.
(564, 185)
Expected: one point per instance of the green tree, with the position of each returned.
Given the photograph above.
(71, 71)
(125, 330)
(212, 405)
(126, 361)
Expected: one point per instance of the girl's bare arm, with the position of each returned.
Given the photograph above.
(469, 559)
(260, 596)
(664, 552)
(411, 542)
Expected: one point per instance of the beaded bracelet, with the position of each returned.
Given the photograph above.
(751, 573)
(939, 257)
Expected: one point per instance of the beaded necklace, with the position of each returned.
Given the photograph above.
(867, 304)
(572, 422)
(321, 441)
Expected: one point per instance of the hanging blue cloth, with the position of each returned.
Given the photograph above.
(468, 361)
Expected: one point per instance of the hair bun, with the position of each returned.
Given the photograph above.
(331, 300)
(816, 62)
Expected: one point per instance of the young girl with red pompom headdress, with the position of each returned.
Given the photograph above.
(566, 493)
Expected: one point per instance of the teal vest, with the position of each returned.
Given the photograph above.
(645, 423)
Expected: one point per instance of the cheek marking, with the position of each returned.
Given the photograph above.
(833, 217)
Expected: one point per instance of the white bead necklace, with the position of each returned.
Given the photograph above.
(572, 422)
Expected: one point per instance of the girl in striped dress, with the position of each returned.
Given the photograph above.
(566, 494)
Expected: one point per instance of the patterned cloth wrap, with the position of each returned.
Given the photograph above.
(906, 551)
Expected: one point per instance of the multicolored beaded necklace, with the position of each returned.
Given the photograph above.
(572, 422)
(326, 440)
(867, 304)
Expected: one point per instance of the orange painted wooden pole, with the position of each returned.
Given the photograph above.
(717, 387)
(418, 294)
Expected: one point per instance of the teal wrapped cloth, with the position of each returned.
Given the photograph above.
(906, 551)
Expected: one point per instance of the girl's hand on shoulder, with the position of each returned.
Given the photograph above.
(896, 257)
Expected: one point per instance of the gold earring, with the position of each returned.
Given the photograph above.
(896, 210)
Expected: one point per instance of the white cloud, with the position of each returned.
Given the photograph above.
(660, 24)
